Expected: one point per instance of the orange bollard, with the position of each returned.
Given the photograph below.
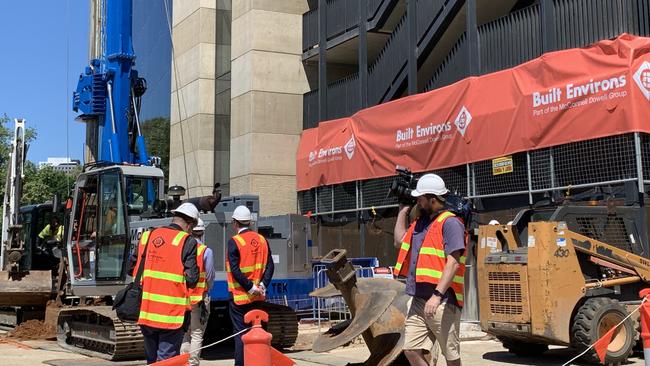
(645, 325)
(257, 343)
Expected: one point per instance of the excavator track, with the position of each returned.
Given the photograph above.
(283, 325)
(97, 332)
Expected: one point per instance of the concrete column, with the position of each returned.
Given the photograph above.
(267, 87)
(193, 96)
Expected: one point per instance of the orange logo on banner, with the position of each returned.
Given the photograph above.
(562, 97)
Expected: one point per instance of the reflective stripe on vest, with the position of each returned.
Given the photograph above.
(196, 293)
(144, 238)
(253, 254)
(431, 257)
(165, 297)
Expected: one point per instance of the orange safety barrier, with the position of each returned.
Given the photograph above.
(257, 343)
(645, 324)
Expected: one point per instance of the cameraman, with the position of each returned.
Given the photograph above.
(431, 259)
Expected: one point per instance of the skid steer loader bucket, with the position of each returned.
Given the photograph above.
(30, 289)
(378, 307)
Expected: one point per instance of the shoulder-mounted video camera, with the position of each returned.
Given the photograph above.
(406, 182)
(403, 185)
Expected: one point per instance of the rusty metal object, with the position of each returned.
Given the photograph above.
(378, 307)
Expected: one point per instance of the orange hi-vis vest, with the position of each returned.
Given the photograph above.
(196, 294)
(253, 253)
(165, 297)
(431, 258)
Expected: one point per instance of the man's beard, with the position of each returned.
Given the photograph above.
(424, 212)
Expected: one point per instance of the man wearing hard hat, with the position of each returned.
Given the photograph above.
(431, 258)
(166, 264)
(199, 297)
(249, 268)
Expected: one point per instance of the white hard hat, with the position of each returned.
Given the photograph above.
(200, 226)
(187, 209)
(242, 213)
(430, 184)
(493, 222)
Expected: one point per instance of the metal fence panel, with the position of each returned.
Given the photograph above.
(603, 161)
(345, 196)
(374, 192)
(487, 183)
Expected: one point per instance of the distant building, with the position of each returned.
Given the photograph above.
(65, 165)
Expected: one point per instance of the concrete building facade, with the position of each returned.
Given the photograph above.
(191, 156)
(237, 98)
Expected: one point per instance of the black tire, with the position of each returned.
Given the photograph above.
(593, 319)
(523, 349)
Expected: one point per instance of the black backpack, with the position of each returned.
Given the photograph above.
(127, 300)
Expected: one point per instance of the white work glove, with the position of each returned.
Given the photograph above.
(263, 288)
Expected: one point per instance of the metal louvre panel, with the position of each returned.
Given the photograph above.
(507, 286)
(510, 40)
(580, 23)
(453, 68)
(310, 109)
(343, 97)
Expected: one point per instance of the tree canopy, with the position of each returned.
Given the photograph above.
(40, 185)
(156, 137)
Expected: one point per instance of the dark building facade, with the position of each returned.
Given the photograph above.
(360, 53)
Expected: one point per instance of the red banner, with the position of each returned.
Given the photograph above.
(560, 97)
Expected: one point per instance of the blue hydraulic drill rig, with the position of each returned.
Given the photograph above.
(116, 198)
(121, 184)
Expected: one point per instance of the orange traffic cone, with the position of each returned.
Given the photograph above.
(644, 311)
(181, 360)
(257, 343)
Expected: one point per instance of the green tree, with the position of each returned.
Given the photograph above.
(42, 184)
(156, 136)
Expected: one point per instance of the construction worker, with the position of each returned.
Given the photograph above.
(431, 258)
(249, 269)
(199, 298)
(52, 231)
(170, 271)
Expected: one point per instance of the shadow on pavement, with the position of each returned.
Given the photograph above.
(553, 357)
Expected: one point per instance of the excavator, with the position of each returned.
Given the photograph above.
(116, 197)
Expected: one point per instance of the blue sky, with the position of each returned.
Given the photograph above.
(33, 69)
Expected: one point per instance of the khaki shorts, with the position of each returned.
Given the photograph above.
(421, 331)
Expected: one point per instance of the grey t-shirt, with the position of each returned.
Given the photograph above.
(453, 235)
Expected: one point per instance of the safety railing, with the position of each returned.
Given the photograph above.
(335, 308)
(310, 109)
(343, 16)
(517, 37)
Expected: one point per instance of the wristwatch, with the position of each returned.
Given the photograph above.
(437, 293)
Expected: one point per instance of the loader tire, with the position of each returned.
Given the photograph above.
(593, 319)
(523, 349)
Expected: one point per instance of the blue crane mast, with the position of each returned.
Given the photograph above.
(110, 89)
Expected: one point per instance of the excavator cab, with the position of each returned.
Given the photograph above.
(105, 200)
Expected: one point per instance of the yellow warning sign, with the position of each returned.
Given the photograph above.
(502, 165)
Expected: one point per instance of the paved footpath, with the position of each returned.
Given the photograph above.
(488, 353)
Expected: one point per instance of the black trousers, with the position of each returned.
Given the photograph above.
(161, 344)
(237, 313)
